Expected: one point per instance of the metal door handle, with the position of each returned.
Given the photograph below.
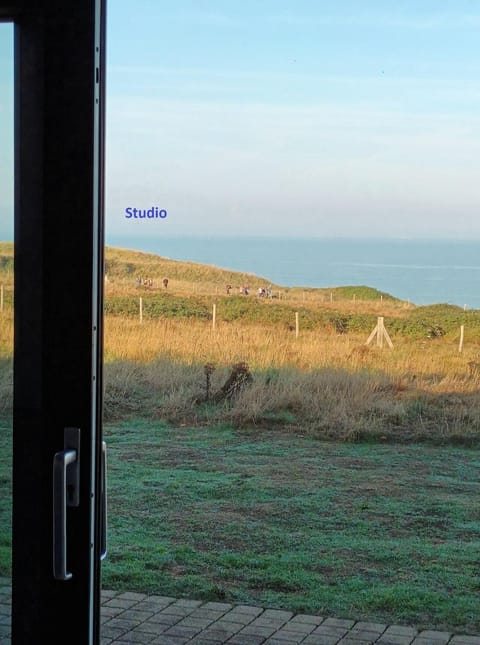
(66, 474)
(103, 545)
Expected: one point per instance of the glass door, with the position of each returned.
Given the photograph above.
(6, 319)
(57, 534)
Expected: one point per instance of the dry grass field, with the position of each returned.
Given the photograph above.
(174, 364)
(327, 384)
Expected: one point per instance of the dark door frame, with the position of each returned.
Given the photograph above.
(59, 160)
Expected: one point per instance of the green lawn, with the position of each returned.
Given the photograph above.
(366, 531)
(376, 532)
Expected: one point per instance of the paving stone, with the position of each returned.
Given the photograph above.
(112, 632)
(218, 634)
(171, 610)
(120, 603)
(238, 619)
(154, 628)
(321, 639)
(165, 619)
(131, 595)
(124, 625)
(136, 614)
(402, 630)
(330, 630)
(338, 622)
(299, 628)
(277, 614)
(261, 630)
(229, 624)
(248, 609)
(214, 614)
(156, 603)
(429, 633)
(379, 628)
(429, 636)
(246, 639)
(283, 636)
(428, 641)
(363, 635)
(221, 606)
(191, 621)
(395, 639)
(189, 604)
(170, 640)
(107, 593)
(350, 639)
(177, 630)
(307, 619)
(264, 621)
(109, 612)
(139, 637)
(465, 640)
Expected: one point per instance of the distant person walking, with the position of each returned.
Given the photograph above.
(165, 282)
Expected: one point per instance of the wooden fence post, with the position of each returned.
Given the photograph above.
(296, 325)
(460, 344)
(141, 310)
(214, 316)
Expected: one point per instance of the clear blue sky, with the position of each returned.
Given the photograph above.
(307, 118)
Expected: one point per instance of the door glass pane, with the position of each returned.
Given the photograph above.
(319, 161)
(6, 318)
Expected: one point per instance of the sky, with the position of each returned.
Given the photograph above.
(313, 118)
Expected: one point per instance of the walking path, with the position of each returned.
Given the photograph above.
(157, 620)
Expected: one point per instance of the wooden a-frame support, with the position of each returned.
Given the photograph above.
(381, 333)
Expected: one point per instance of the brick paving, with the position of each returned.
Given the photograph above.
(133, 618)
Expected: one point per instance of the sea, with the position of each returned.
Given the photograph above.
(422, 272)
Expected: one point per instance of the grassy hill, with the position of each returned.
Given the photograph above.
(193, 288)
(125, 264)
(122, 266)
